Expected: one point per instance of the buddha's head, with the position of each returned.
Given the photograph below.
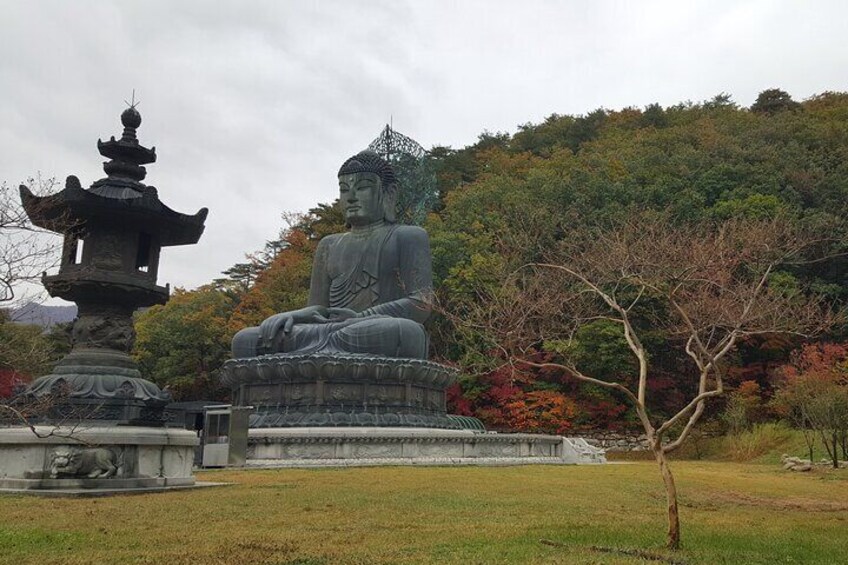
(367, 189)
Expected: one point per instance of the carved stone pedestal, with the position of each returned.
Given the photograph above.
(95, 459)
(289, 390)
(100, 385)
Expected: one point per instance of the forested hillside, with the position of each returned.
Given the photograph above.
(504, 201)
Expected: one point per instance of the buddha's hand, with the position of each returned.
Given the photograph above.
(340, 314)
(285, 321)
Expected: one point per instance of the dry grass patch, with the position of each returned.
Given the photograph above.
(734, 514)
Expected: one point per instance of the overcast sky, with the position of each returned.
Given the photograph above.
(253, 106)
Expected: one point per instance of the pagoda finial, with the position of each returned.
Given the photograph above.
(132, 104)
(126, 154)
(131, 119)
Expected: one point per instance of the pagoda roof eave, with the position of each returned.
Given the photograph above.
(120, 149)
(49, 212)
(65, 210)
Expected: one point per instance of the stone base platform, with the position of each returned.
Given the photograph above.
(299, 447)
(105, 459)
(106, 491)
(405, 462)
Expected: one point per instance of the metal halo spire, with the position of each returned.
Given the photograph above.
(391, 143)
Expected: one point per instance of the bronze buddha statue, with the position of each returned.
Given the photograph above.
(371, 286)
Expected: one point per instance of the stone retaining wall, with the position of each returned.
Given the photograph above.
(286, 446)
(615, 441)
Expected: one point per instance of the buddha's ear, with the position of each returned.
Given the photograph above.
(390, 195)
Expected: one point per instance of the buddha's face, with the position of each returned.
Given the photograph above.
(360, 195)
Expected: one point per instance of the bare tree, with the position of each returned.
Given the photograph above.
(705, 287)
(25, 250)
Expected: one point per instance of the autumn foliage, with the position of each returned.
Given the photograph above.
(282, 286)
(814, 395)
(508, 198)
(510, 399)
(10, 381)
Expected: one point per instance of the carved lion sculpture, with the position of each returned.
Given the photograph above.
(93, 463)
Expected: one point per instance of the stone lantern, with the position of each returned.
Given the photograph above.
(101, 425)
(113, 234)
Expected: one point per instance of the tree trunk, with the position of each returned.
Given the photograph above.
(809, 438)
(835, 438)
(810, 446)
(830, 447)
(673, 538)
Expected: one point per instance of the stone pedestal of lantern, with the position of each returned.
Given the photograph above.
(100, 425)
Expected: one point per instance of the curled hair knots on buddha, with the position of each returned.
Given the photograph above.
(370, 162)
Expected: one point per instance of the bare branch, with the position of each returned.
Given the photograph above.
(580, 376)
(29, 412)
(26, 251)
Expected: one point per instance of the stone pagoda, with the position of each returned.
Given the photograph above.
(113, 234)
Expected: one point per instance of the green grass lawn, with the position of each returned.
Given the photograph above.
(731, 513)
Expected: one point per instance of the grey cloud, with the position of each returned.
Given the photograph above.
(253, 105)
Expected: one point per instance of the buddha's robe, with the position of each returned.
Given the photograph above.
(384, 274)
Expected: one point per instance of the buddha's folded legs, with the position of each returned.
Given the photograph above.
(390, 337)
(245, 342)
(378, 335)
